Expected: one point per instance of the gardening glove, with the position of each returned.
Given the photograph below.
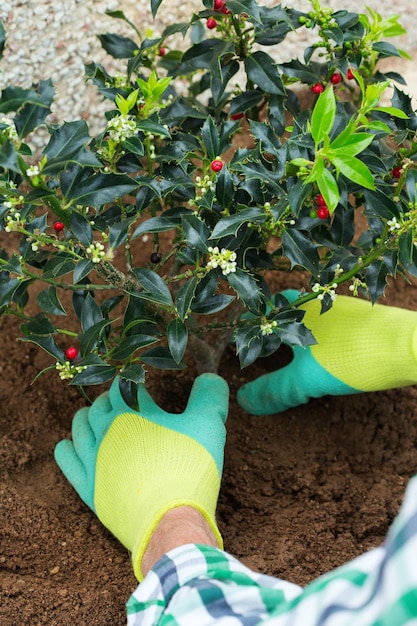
(360, 347)
(132, 467)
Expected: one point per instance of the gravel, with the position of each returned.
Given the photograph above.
(53, 39)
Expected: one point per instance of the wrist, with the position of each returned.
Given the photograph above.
(178, 527)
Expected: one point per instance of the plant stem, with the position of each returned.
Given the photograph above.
(367, 260)
(116, 278)
(207, 357)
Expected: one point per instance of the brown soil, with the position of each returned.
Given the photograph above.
(302, 492)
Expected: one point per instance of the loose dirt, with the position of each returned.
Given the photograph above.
(302, 492)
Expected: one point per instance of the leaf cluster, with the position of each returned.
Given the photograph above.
(222, 220)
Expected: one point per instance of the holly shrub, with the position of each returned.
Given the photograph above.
(209, 155)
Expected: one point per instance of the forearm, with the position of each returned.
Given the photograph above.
(178, 527)
(198, 584)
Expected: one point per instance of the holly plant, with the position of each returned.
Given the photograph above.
(217, 169)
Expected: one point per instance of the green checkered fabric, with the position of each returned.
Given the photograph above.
(203, 586)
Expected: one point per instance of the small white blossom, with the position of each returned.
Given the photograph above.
(167, 101)
(393, 225)
(67, 370)
(203, 185)
(356, 283)
(267, 328)
(225, 259)
(13, 222)
(13, 202)
(121, 127)
(321, 290)
(33, 170)
(120, 81)
(152, 151)
(95, 251)
(10, 131)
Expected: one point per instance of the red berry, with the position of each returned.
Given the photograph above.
(211, 23)
(71, 353)
(237, 116)
(225, 10)
(155, 257)
(350, 74)
(336, 78)
(162, 51)
(218, 5)
(397, 171)
(58, 226)
(323, 212)
(317, 88)
(216, 165)
(320, 200)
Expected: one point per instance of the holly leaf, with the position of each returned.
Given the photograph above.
(118, 46)
(246, 288)
(210, 137)
(161, 358)
(230, 225)
(185, 296)
(89, 187)
(81, 228)
(196, 232)
(68, 145)
(211, 304)
(90, 313)
(130, 344)
(94, 374)
(46, 343)
(263, 71)
(249, 7)
(155, 288)
(301, 250)
(49, 302)
(82, 269)
(177, 335)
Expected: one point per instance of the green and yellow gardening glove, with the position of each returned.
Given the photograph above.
(360, 347)
(132, 467)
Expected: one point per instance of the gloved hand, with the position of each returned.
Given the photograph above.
(131, 468)
(359, 348)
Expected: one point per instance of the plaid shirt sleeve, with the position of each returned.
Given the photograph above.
(202, 586)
